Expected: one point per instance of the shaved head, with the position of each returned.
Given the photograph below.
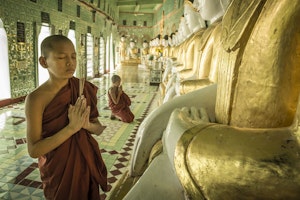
(115, 78)
(49, 42)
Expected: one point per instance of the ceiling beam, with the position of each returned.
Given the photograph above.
(138, 2)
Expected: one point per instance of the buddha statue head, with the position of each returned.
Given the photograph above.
(212, 10)
(145, 44)
(123, 38)
(174, 38)
(164, 41)
(132, 44)
(170, 40)
(158, 40)
(193, 18)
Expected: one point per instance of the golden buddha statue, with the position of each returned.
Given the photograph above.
(251, 149)
(145, 53)
(132, 51)
(246, 144)
(166, 46)
(145, 50)
(171, 44)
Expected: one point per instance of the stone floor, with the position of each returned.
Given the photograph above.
(19, 175)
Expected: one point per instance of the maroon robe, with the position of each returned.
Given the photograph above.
(75, 169)
(121, 110)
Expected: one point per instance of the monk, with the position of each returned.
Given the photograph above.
(60, 124)
(119, 101)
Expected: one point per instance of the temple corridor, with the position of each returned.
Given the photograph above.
(19, 175)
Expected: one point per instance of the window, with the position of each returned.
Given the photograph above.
(145, 23)
(42, 72)
(72, 25)
(20, 32)
(45, 17)
(94, 16)
(89, 29)
(134, 23)
(71, 33)
(89, 56)
(124, 22)
(4, 62)
(59, 5)
(78, 11)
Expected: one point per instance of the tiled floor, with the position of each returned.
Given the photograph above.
(19, 175)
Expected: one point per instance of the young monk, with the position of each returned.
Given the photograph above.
(59, 127)
(119, 101)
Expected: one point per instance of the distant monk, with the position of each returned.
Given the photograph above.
(119, 101)
(59, 127)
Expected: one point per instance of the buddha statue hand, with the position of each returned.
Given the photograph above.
(152, 128)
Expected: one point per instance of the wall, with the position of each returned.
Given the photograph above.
(167, 18)
(23, 56)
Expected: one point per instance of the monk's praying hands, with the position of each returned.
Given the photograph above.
(79, 114)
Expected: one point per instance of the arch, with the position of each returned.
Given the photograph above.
(42, 72)
(101, 55)
(111, 53)
(4, 65)
(90, 55)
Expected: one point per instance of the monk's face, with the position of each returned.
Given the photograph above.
(117, 83)
(61, 61)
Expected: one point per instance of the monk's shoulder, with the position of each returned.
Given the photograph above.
(37, 96)
(41, 96)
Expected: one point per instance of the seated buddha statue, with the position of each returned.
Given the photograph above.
(132, 51)
(247, 143)
(171, 44)
(251, 150)
(166, 46)
(145, 52)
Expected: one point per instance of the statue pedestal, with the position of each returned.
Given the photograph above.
(131, 62)
(155, 76)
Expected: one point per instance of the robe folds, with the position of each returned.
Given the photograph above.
(121, 110)
(75, 169)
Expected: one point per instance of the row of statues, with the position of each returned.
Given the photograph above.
(230, 130)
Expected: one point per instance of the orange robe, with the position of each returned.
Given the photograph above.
(121, 109)
(75, 169)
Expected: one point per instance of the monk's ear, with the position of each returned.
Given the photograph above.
(43, 62)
